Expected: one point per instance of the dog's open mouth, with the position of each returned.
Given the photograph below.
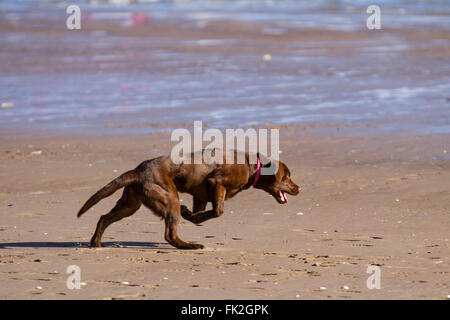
(282, 197)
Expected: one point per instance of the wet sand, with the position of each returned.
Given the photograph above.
(366, 200)
(226, 73)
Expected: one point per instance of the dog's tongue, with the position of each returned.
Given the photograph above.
(283, 196)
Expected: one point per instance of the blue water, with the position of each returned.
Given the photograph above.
(151, 80)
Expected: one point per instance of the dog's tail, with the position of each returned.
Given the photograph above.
(123, 180)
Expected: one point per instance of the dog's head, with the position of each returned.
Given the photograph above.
(278, 184)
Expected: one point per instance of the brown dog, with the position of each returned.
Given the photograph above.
(156, 183)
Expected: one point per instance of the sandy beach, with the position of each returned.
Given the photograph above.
(366, 201)
(364, 127)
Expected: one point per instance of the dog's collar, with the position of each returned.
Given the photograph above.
(258, 171)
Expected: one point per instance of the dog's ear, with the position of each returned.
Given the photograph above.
(269, 167)
(264, 160)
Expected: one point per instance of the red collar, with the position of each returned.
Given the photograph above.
(258, 172)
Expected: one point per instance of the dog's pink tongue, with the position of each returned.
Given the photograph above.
(283, 196)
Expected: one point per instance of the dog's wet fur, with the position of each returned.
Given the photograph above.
(155, 183)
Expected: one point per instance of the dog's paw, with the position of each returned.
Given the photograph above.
(197, 246)
(95, 244)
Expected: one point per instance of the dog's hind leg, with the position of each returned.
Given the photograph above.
(125, 207)
(166, 204)
(172, 220)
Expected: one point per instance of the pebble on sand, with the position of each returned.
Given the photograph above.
(299, 213)
(37, 152)
(322, 288)
(39, 288)
(345, 287)
(267, 57)
(125, 282)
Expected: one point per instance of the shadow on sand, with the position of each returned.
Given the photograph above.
(107, 244)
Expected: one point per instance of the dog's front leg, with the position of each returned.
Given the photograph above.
(197, 217)
(199, 205)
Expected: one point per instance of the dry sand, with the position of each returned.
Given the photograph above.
(366, 200)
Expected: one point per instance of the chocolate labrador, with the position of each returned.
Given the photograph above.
(155, 183)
